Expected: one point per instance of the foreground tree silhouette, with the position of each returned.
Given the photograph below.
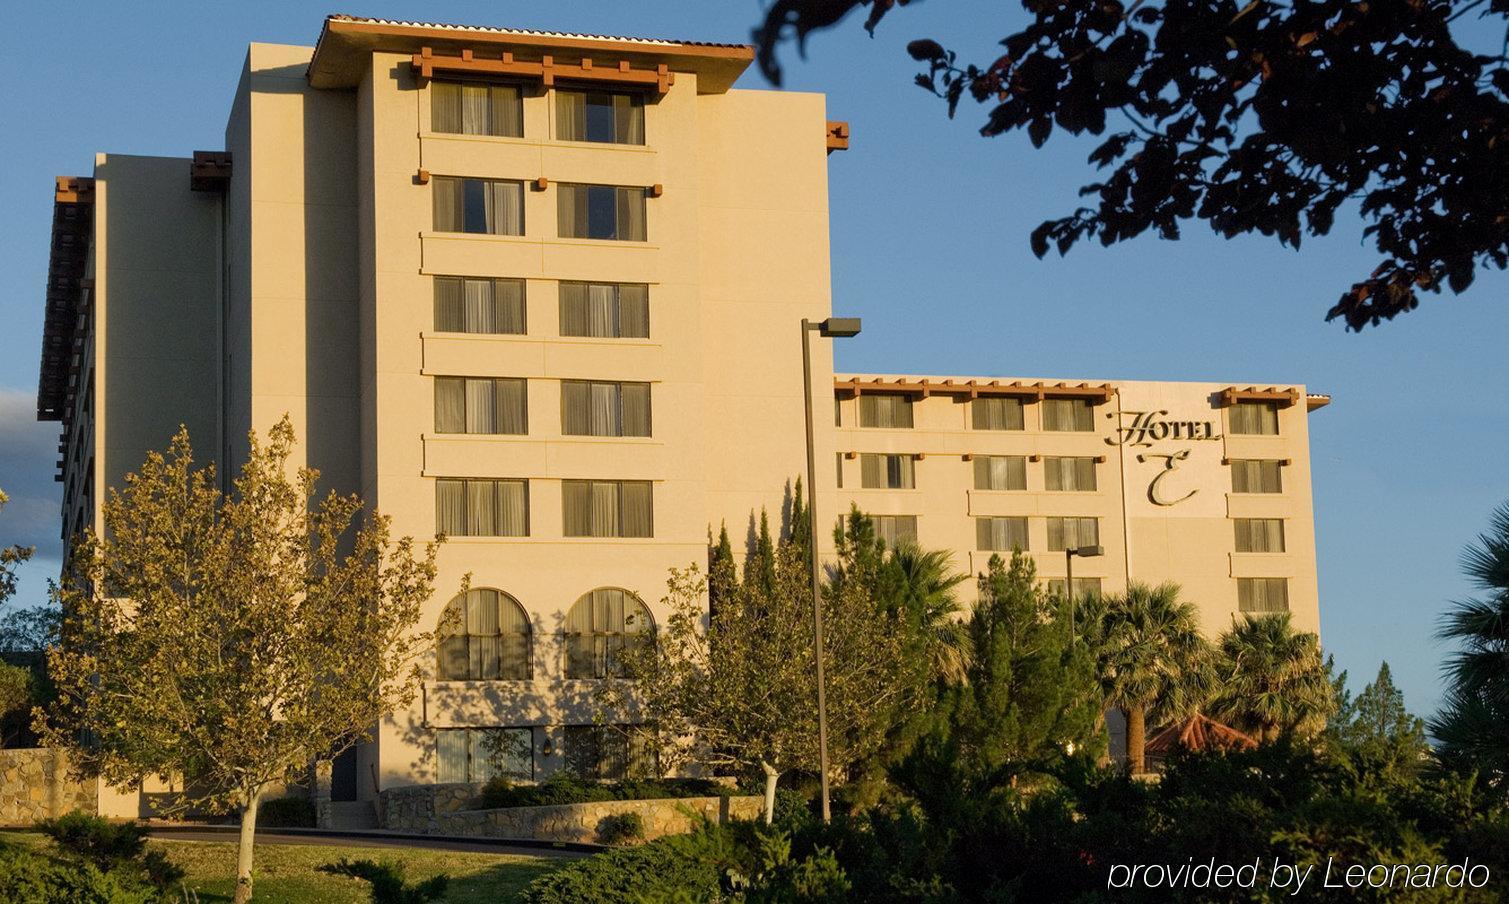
(1472, 726)
(1270, 678)
(229, 640)
(1262, 117)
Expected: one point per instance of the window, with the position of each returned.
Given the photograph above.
(1000, 472)
(886, 472)
(481, 405)
(471, 108)
(885, 411)
(604, 409)
(484, 636)
(478, 754)
(600, 625)
(610, 751)
(1072, 533)
(895, 529)
(1001, 534)
(607, 508)
(1083, 587)
(482, 508)
(599, 116)
(1069, 474)
(840, 457)
(605, 310)
(600, 212)
(1068, 414)
(1263, 595)
(996, 414)
(1254, 418)
(479, 305)
(1260, 534)
(838, 412)
(1257, 476)
(481, 206)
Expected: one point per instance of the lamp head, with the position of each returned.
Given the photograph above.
(1089, 552)
(839, 327)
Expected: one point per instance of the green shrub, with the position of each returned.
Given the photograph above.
(31, 877)
(565, 788)
(620, 828)
(287, 813)
(115, 848)
(659, 870)
(388, 885)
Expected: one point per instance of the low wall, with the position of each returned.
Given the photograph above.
(34, 785)
(441, 810)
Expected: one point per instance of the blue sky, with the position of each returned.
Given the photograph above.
(929, 246)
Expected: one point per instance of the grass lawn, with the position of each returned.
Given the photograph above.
(290, 874)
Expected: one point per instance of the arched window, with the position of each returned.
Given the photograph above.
(484, 634)
(599, 625)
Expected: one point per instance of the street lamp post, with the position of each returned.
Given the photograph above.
(1070, 552)
(832, 328)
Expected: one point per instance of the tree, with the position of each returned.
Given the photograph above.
(16, 689)
(1260, 117)
(1270, 678)
(736, 688)
(927, 600)
(1472, 726)
(1031, 694)
(1380, 733)
(11, 557)
(1152, 661)
(231, 639)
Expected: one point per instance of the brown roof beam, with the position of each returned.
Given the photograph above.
(838, 135)
(1284, 397)
(547, 69)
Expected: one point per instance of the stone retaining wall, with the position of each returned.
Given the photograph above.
(34, 785)
(441, 810)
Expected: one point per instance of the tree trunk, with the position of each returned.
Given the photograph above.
(771, 777)
(1136, 738)
(244, 849)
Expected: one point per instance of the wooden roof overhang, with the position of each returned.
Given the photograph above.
(72, 230)
(1283, 397)
(975, 389)
(346, 44)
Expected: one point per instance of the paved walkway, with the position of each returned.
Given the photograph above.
(374, 839)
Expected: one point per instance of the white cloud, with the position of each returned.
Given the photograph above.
(28, 459)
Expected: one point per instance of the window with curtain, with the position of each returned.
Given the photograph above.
(482, 508)
(886, 472)
(477, 755)
(605, 310)
(484, 635)
(610, 752)
(1263, 595)
(840, 457)
(599, 626)
(1068, 414)
(1253, 418)
(476, 108)
(486, 206)
(464, 305)
(591, 408)
(1072, 533)
(1001, 534)
(615, 212)
(608, 117)
(895, 529)
(881, 410)
(1083, 587)
(1254, 475)
(996, 414)
(481, 405)
(1260, 534)
(607, 508)
(1000, 472)
(1069, 474)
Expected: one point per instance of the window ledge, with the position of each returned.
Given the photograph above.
(538, 438)
(526, 141)
(493, 238)
(605, 341)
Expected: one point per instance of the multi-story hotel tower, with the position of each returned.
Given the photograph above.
(542, 293)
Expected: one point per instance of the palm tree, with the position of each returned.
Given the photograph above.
(1152, 660)
(1271, 678)
(926, 593)
(1473, 724)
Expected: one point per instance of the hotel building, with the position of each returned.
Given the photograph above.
(542, 292)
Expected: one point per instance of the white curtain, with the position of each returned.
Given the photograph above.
(636, 408)
(602, 310)
(481, 406)
(634, 311)
(631, 214)
(571, 211)
(506, 109)
(450, 755)
(445, 107)
(638, 509)
(505, 207)
(1001, 472)
(996, 414)
(513, 508)
(450, 507)
(605, 521)
(570, 116)
(508, 306)
(1259, 418)
(628, 118)
(476, 116)
(448, 197)
(450, 405)
(479, 307)
(602, 415)
(1001, 534)
(576, 507)
(512, 407)
(885, 411)
(450, 305)
(481, 509)
(1068, 414)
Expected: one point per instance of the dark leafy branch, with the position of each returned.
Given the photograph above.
(1265, 116)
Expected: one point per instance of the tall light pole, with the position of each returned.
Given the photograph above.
(832, 328)
(1070, 552)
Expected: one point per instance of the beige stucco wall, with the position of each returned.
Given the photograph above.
(1191, 542)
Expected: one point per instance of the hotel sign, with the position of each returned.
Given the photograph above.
(1143, 428)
